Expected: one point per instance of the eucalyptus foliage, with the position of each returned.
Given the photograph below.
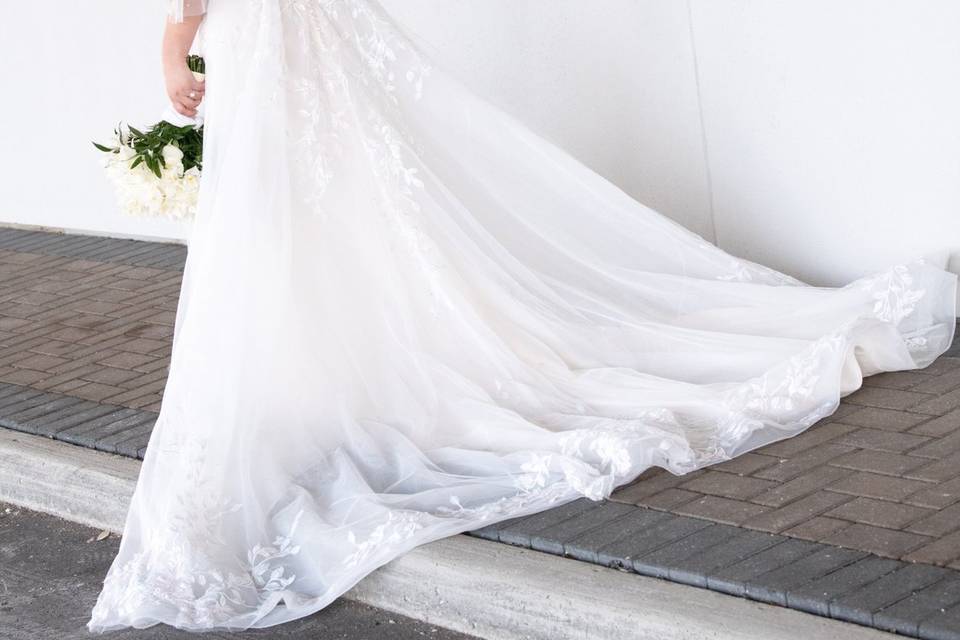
(148, 145)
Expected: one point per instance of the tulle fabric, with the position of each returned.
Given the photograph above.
(180, 9)
(404, 316)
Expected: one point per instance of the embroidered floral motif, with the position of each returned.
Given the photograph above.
(740, 270)
(188, 564)
(268, 576)
(397, 527)
(788, 389)
(356, 49)
(894, 294)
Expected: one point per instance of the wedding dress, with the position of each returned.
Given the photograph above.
(404, 316)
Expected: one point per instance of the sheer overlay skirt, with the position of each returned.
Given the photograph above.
(405, 316)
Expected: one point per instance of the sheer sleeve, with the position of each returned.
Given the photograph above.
(180, 9)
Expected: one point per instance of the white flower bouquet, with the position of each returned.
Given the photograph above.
(157, 172)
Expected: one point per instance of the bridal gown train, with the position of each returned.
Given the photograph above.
(404, 315)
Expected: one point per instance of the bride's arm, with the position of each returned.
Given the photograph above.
(185, 91)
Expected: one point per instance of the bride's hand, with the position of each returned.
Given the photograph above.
(184, 90)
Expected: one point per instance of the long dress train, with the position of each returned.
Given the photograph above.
(404, 316)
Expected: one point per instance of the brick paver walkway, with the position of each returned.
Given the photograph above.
(90, 317)
(857, 518)
(881, 475)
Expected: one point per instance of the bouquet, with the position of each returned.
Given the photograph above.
(156, 172)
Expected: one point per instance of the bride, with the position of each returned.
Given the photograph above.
(404, 316)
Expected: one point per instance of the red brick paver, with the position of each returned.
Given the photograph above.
(91, 329)
(882, 475)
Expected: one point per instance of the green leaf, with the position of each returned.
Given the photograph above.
(196, 64)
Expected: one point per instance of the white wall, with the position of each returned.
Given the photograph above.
(69, 74)
(833, 130)
(822, 138)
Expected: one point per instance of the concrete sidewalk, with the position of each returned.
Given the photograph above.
(856, 519)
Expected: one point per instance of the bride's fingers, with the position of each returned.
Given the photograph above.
(195, 89)
(184, 109)
(191, 102)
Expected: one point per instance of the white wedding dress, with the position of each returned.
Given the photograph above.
(405, 316)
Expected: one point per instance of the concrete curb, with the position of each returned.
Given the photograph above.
(70, 482)
(484, 588)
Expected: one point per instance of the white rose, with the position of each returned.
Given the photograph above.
(140, 192)
(172, 156)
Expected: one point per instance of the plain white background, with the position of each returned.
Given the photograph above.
(821, 138)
